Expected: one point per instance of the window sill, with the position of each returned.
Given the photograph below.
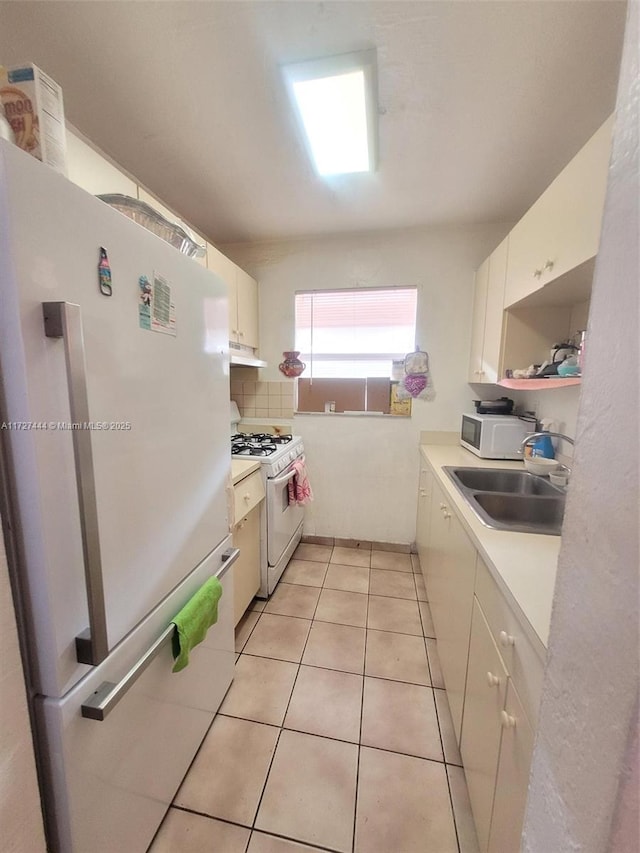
(352, 415)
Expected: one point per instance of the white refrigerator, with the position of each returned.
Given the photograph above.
(115, 418)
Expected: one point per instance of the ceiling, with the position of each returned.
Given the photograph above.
(481, 103)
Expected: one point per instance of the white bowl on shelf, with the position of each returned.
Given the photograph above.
(540, 465)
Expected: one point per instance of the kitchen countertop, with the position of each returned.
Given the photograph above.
(241, 468)
(522, 564)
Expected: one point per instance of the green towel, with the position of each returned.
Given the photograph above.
(194, 620)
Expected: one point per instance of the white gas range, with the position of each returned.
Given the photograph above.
(281, 523)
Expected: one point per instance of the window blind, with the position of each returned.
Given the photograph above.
(354, 333)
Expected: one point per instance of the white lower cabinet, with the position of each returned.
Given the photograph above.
(423, 526)
(248, 495)
(512, 781)
(246, 537)
(492, 668)
(484, 700)
(451, 566)
(496, 745)
(497, 734)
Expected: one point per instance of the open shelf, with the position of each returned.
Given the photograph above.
(538, 384)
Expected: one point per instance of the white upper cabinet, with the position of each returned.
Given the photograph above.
(247, 295)
(91, 171)
(243, 298)
(484, 362)
(477, 327)
(226, 269)
(562, 229)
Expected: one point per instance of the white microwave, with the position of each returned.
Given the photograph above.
(494, 436)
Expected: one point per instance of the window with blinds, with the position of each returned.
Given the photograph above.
(348, 334)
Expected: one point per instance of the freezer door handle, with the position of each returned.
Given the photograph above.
(64, 320)
(107, 696)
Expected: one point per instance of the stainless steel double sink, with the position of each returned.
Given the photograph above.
(511, 500)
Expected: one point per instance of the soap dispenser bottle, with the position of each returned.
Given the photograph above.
(543, 446)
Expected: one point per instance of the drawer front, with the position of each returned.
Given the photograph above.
(247, 494)
(521, 658)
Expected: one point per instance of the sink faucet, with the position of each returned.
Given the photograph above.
(535, 435)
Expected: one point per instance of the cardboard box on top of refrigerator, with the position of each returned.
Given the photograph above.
(33, 106)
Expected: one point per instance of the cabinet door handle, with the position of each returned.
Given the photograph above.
(548, 265)
(443, 506)
(492, 680)
(506, 639)
(537, 273)
(423, 492)
(507, 721)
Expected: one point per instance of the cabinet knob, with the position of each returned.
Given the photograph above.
(508, 722)
(247, 497)
(492, 680)
(537, 273)
(446, 514)
(548, 265)
(443, 506)
(241, 333)
(423, 492)
(506, 639)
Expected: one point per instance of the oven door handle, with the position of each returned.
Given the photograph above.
(286, 478)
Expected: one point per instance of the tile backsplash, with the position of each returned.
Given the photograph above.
(263, 399)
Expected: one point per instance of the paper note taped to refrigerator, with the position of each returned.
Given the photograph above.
(163, 310)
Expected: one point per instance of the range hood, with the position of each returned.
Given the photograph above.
(241, 360)
(244, 359)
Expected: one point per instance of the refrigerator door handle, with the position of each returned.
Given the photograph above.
(64, 320)
(107, 696)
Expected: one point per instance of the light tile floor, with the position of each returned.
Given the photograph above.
(335, 734)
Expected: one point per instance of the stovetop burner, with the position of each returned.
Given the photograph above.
(242, 449)
(257, 444)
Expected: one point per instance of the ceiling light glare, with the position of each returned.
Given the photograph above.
(335, 102)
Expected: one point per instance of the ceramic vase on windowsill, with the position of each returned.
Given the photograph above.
(292, 366)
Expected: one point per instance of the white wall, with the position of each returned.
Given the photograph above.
(364, 469)
(583, 794)
(20, 816)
